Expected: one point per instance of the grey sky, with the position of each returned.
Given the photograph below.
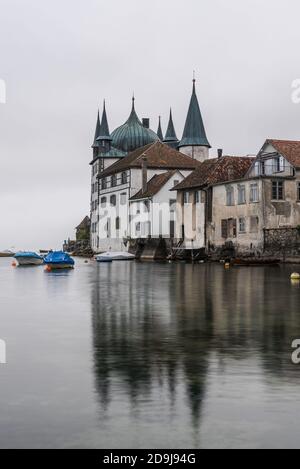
(61, 58)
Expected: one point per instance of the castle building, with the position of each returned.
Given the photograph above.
(111, 149)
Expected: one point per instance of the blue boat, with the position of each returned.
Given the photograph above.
(59, 260)
(28, 258)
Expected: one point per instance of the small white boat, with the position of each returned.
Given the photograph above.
(7, 253)
(28, 258)
(115, 256)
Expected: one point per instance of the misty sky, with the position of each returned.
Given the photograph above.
(61, 58)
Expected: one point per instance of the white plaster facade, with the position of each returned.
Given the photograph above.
(115, 226)
(156, 216)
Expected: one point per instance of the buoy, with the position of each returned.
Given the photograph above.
(295, 276)
(227, 265)
(14, 264)
(48, 268)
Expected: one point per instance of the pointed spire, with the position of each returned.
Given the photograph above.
(159, 130)
(104, 129)
(97, 131)
(194, 132)
(171, 134)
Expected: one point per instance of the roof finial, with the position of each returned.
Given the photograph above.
(194, 81)
(133, 99)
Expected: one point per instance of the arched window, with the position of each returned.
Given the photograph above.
(113, 200)
(103, 201)
(103, 184)
(118, 223)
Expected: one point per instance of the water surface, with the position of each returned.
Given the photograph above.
(150, 356)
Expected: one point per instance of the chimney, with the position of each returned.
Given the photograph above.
(220, 153)
(146, 123)
(144, 174)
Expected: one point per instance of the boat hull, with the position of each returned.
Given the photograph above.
(256, 262)
(29, 261)
(115, 256)
(59, 266)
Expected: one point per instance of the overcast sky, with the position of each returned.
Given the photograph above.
(61, 58)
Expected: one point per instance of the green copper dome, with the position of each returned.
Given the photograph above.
(132, 134)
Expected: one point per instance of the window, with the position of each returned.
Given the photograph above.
(113, 200)
(197, 197)
(277, 190)
(229, 196)
(242, 225)
(176, 182)
(103, 184)
(186, 197)
(278, 164)
(137, 227)
(254, 221)
(263, 168)
(228, 228)
(118, 223)
(298, 191)
(103, 201)
(241, 195)
(254, 193)
(224, 229)
(124, 178)
(123, 198)
(96, 187)
(113, 180)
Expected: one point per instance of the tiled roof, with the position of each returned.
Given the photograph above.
(154, 185)
(218, 170)
(290, 149)
(159, 156)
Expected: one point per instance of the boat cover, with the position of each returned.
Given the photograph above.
(28, 254)
(59, 257)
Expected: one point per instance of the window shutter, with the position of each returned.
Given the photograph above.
(224, 229)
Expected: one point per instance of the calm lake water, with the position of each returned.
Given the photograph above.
(149, 356)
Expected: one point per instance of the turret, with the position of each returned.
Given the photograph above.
(95, 145)
(104, 139)
(159, 130)
(194, 142)
(171, 137)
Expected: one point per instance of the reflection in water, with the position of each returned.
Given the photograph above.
(162, 325)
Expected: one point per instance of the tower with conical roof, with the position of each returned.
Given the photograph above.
(95, 145)
(159, 130)
(194, 142)
(171, 137)
(104, 139)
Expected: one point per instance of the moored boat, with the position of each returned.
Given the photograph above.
(255, 262)
(7, 253)
(59, 260)
(115, 256)
(28, 258)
